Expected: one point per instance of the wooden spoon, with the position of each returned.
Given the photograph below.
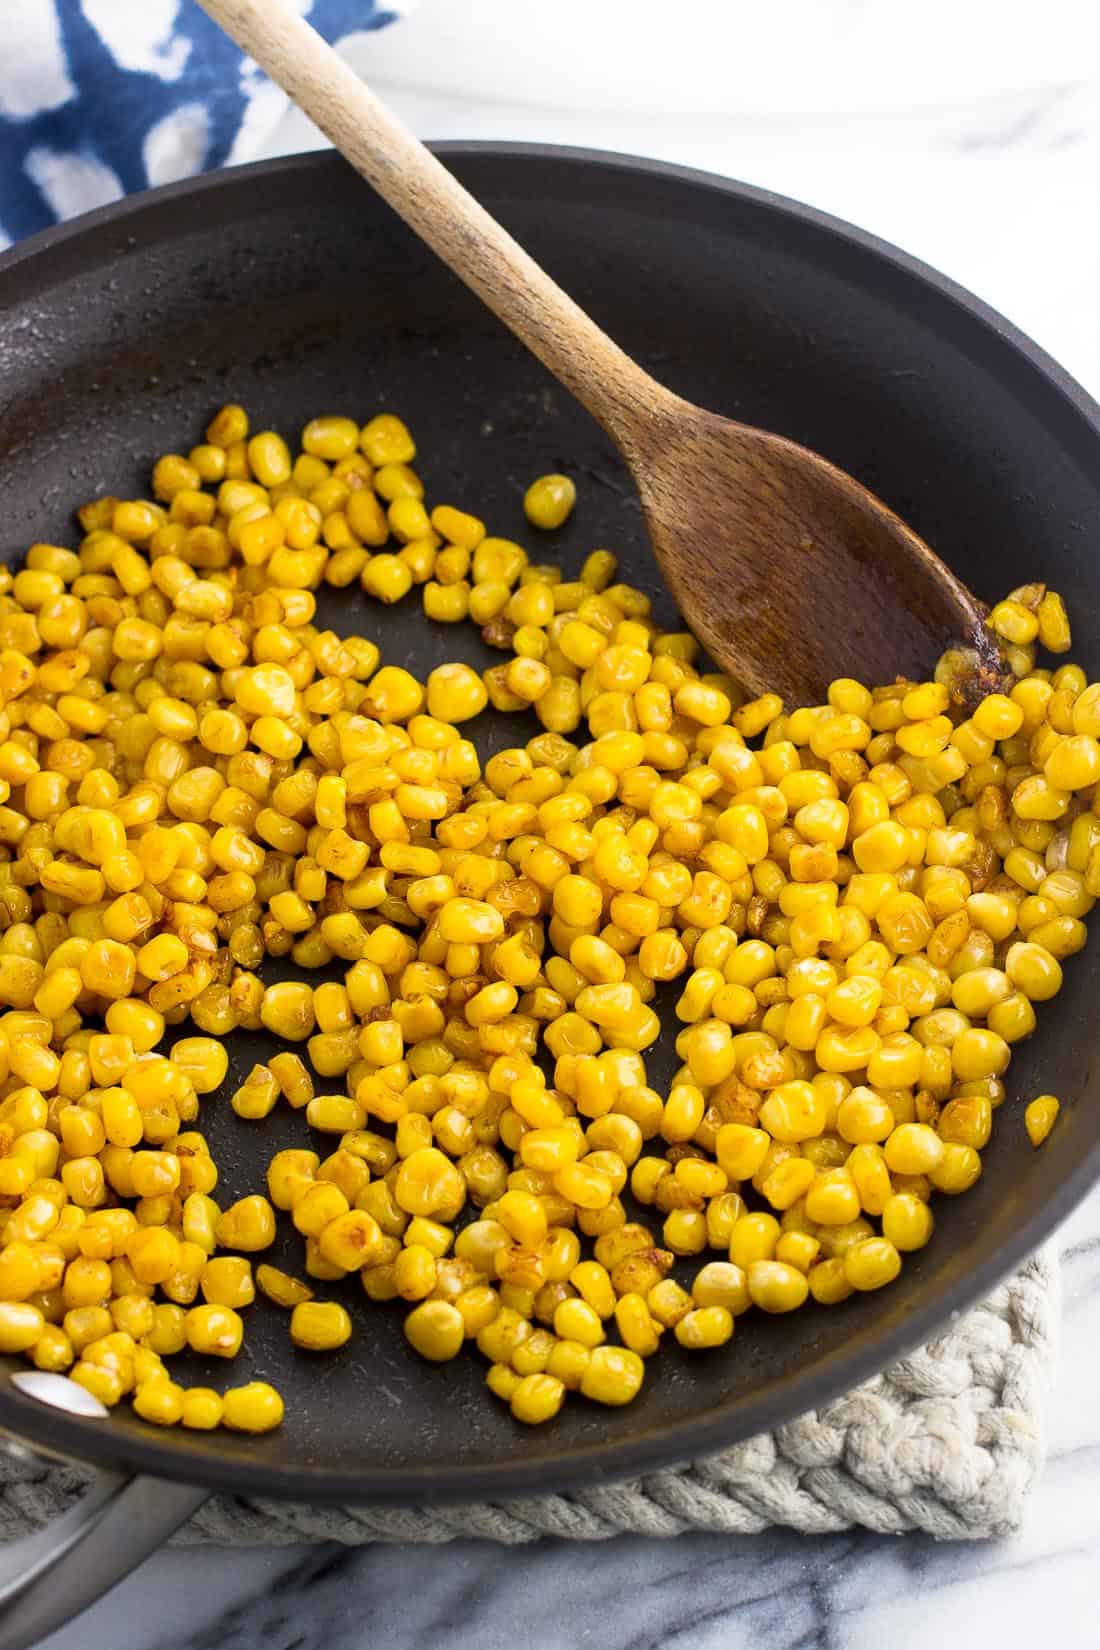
(788, 571)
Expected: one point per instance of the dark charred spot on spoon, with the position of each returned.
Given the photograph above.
(972, 668)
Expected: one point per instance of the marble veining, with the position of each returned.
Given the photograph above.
(1001, 195)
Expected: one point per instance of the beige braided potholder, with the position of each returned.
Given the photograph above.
(948, 1441)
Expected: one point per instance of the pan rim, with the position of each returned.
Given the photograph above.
(548, 1468)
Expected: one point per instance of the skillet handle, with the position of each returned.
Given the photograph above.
(51, 1576)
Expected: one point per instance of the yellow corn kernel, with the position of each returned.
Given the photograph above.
(202, 1409)
(350, 1241)
(613, 1375)
(828, 1282)
(549, 501)
(21, 1326)
(320, 1326)
(435, 1329)
(214, 1330)
(159, 1401)
(872, 1263)
(248, 1224)
(1040, 1116)
(227, 1281)
(906, 1222)
(256, 1407)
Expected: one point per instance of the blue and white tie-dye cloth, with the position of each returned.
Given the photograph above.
(102, 97)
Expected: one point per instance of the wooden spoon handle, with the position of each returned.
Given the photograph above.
(602, 377)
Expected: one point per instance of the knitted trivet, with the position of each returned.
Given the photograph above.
(947, 1441)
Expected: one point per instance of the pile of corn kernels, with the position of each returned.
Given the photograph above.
(861, 903)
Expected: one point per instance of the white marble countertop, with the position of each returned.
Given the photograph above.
(1000, 192)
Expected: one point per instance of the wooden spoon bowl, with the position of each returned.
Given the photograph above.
(791, 573)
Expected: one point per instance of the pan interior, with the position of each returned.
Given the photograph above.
(292, 289)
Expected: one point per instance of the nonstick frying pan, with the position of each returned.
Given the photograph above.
(290, 287)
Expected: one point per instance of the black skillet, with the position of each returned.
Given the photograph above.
(290, 287)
